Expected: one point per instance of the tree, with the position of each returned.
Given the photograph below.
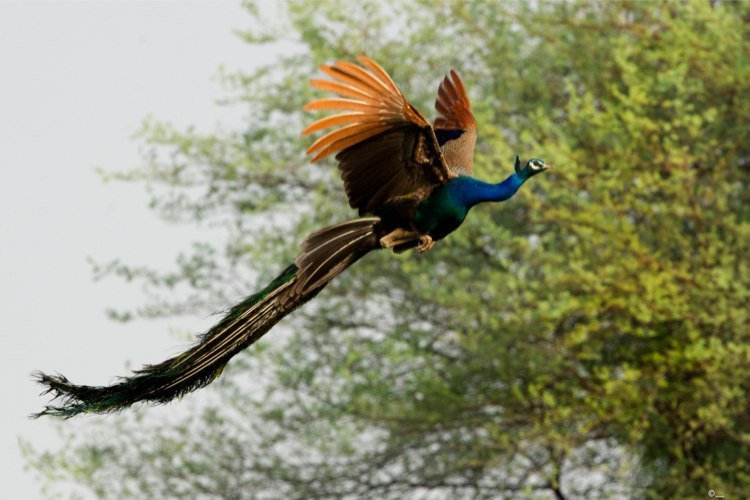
(586, 339)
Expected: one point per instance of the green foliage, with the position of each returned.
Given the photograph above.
(587, 338)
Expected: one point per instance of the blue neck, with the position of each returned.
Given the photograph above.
(471, 191)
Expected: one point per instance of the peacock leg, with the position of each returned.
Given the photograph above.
(399, 236)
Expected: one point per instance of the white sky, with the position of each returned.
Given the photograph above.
(76, 80)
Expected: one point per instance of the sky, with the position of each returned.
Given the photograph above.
(76, 81)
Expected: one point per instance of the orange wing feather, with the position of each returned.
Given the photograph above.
(372, 101)
(453, 105)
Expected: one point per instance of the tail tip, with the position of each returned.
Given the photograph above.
(56, 385)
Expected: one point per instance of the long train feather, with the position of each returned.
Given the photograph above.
(325, 254)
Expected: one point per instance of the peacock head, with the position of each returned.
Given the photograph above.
(533, 166)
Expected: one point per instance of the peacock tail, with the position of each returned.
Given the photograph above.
(325, 254)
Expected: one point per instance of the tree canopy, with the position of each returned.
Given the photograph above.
(588, 338)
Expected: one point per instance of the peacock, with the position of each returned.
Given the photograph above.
(411, 183)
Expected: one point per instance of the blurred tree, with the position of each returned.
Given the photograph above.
(588, 339)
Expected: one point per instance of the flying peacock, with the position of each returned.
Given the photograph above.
(411, 183)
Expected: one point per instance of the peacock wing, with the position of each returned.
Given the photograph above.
(455, 126)
(386, 148)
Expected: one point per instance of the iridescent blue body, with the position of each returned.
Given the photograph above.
(446, 208)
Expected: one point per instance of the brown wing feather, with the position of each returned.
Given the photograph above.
(394, 163)
(386, 148)
(453, 105)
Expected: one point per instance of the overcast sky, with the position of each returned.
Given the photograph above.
(76, 80)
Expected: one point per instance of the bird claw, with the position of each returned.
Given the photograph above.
(425, 243)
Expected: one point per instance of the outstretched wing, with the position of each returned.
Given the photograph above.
(455, 126)
(386, 148)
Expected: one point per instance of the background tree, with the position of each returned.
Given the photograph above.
(586, 339)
